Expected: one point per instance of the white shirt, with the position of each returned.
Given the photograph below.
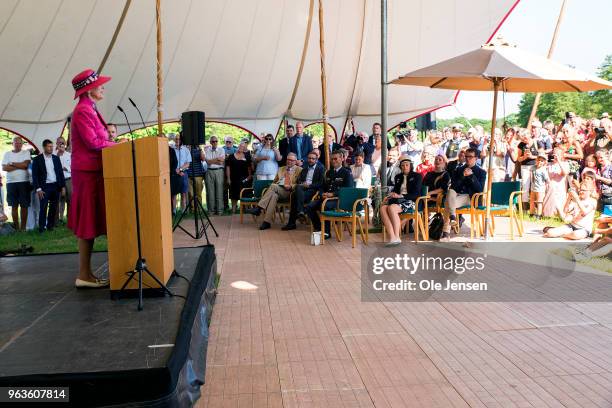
(183, 156)
(16, 176)
(51, 178)
(218, 153)
(310, 174)
(362, 175)
(66, 160)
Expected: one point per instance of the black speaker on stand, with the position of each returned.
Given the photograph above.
(426, 122)
(192, 135)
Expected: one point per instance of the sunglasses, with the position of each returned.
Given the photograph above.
(213, 141)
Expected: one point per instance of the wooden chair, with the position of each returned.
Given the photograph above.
(258, 189)
(349, 204)
(505, 196)
(420, 217)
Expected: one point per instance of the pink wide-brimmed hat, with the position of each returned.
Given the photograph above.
(87, 80)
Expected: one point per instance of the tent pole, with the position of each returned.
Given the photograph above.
(323, 84)
(383, 92)
(160, 109)
(553, 43)
(496, 83)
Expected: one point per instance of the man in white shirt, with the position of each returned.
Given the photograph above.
(66, 160)
(215, 159)
(15, 164)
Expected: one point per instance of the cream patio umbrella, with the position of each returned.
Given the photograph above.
(499, 64)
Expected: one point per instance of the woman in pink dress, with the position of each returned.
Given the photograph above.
(556, 192)
(88, 136)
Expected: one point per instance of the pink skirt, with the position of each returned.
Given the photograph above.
(87, 217)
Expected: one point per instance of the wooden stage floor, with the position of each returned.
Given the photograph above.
(289, 330)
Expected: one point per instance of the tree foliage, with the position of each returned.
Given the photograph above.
(554, 105)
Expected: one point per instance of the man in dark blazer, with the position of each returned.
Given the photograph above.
(467, 180)
(336, 177)
(309, 182)
(332, 146)
(300, 144)
(49, 183)
(283, 145)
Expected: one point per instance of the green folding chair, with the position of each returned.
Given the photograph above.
(258, 189)
(505, 198)
(350, 202)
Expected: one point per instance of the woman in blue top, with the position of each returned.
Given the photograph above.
(266, 159)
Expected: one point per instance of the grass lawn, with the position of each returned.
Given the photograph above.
(599, 263)
(60, 240)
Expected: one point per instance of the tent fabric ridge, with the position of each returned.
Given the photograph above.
(244, 59)
(11, 14)
(349, 111)
(303, 59)
(68, 60)
(187, 14)
(212, 48)
(111, 45)
(25, 71)
(142, 51)
(274, 59)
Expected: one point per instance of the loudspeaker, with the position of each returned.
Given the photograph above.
(192, 123)
(426, 122)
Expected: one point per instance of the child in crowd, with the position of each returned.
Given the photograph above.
(539, 182)
(578, 214)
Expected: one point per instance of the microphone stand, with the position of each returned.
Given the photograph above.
(141, 265)
(141, 118)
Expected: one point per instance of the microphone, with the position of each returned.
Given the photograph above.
(140, 114)
(126, 121)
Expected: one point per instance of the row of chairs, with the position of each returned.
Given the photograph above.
(352, 205)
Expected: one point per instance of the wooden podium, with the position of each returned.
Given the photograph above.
(152, 169)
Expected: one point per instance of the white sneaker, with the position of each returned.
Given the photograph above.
(393, 243)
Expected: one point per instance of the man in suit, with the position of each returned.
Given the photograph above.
(332, 146)
(467, 180)
(284, 183)
(309, 183)
(336, 177)
(48, 180)
(283, 145)
(300, 144)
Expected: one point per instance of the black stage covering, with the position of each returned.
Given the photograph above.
(106, 351)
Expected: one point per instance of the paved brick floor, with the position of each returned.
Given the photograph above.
(289, 330)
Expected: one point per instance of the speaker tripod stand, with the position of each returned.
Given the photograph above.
(200, 215)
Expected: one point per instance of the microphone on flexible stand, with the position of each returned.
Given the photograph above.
(126, 121)
(141, 118)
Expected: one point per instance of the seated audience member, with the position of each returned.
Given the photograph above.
(309, 182)
(406, 189)
(336, 177)
(48, 182)
(280, 190)
(460, 161)
(15, 163)
(602, 243)
(362, 173)
(437, 180)
(466, 181)
(332, 146)
(578, 214)
(539, 181)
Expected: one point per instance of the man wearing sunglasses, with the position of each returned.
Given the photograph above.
(467, 180)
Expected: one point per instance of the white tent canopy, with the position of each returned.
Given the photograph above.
(247, 62)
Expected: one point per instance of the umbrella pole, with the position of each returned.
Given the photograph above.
(383, 94)
(323, 84)
(487, 226)
(160, 109)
